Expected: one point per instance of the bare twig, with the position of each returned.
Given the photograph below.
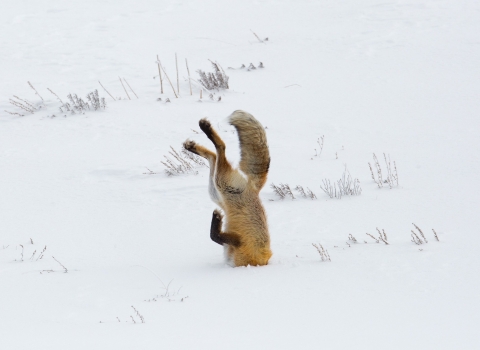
(14, 113)
(124, 88)
(169, 81)
(178, 82)
(256, 36)
(55, 95)
(40, 256)
(376, 240)
(160, 75)
(106, 90)
(29, 83)
(189, 79)
(31, 258)
(130, 87)
(64, 268)
(436, 237)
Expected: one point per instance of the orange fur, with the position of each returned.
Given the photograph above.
(245, 236)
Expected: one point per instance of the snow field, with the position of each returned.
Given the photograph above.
(399, 78)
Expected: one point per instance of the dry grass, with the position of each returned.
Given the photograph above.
(214, 81)
(392, 174)
(322, 252)
(78, 105)
(181, 163)
(320, 146)
(382, 236)
(346, 185)
(284, 190)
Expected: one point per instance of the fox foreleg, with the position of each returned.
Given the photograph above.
(220, 237)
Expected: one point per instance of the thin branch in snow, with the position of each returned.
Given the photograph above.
(36, 92)
(178, 82)
(174, 92)
(189, 79)
(376, 239)
(40, 256)
(64, 268)
(130, 87)
(258, 38)
(160, 75)
(435, 234)
(124, 88)
(55, 95)
(14, 113)
(106, 90)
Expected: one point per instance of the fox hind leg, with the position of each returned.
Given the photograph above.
(204, 152)
(201, 151)
(226, 179)
(211, 134)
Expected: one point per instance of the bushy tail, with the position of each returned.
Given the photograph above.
(255, 158)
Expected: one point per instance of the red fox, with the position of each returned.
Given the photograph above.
(245, 237)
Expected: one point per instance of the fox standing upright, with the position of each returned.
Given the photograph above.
(245, 235)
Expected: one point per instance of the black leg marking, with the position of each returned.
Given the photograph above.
(233, 190)
(220, 237)
(205, 126)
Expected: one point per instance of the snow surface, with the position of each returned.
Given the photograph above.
(397, 77)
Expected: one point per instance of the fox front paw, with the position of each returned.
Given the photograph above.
(217, 216)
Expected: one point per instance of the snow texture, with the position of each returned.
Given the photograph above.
(129, 263)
